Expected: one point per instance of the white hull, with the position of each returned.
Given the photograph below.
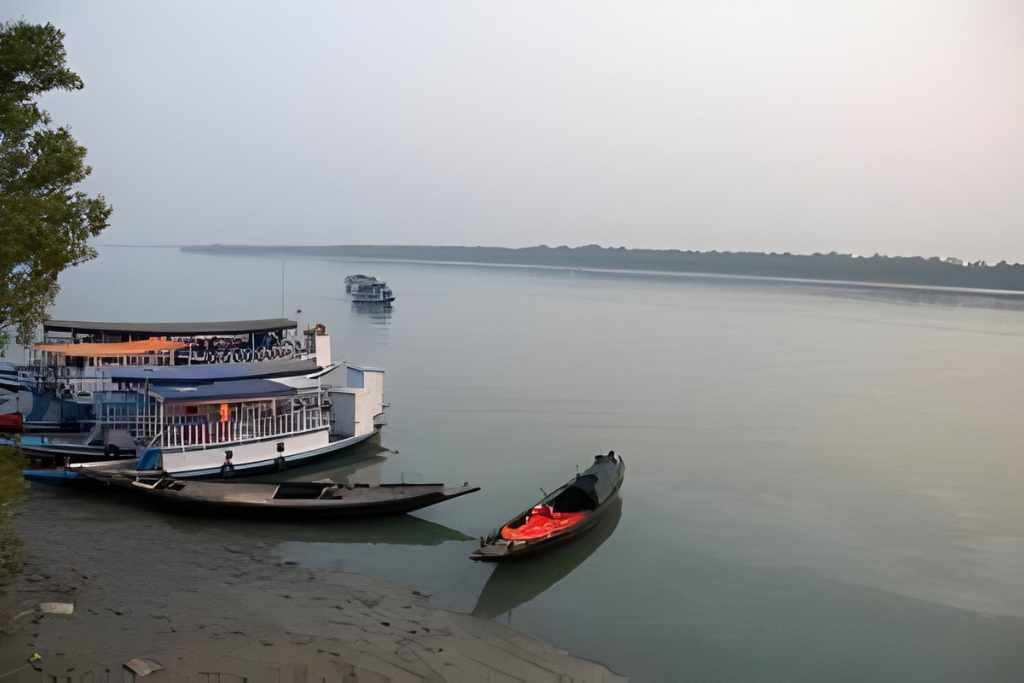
(256, 456)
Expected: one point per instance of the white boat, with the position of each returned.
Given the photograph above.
(375, 292)
(223, 420)
(352, 281)
(55, 389)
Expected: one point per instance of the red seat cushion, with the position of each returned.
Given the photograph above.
(540, 522)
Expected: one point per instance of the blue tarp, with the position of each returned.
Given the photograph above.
(213, 372)
(222, 391)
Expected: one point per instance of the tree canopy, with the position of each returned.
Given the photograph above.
(45, 222)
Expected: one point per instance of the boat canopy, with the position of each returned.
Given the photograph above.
(590, 489)
(188, 329)
(112, 349)
(214, 372)
(240, 390)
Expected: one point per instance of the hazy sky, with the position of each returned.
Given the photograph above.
(860, 126)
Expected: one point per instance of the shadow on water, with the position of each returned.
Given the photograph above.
(378, 314)
(360, 464)
(99, 507)
(397, 530)
(515, 583)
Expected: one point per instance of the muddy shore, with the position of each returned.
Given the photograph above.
(142, 588)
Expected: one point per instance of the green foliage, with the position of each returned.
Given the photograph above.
(45, 223)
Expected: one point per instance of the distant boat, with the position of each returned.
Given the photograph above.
(373, 291)
(353, 281)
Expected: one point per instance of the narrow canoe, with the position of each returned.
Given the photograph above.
(561, 516)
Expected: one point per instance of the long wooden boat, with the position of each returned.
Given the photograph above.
(567, 513)
(286, 499)
(297, 498)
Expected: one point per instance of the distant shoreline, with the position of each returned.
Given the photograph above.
(832, 269)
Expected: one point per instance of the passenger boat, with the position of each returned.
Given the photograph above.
(373, 292)
(352, 281)
(54, 389)
(112, 436)
(561, 516)
(223, 420)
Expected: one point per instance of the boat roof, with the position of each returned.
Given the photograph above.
(163, 329)
(213, 372)
(222, 391)
(112, 349)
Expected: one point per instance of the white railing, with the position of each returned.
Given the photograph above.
(182, 432)
(47, 381)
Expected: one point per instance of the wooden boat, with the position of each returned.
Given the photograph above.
(561, 516)
(509, 586)
(309, 499)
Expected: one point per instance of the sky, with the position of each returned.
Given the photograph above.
(889, 126)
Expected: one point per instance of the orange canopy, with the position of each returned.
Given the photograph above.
(113, 349)
(541, 522)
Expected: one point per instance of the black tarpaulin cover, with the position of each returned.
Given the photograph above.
(590, 488)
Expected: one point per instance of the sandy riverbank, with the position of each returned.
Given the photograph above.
(220, 604)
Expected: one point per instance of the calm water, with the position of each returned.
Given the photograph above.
(822, 483)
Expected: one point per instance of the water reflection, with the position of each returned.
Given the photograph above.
(515, 583)
(101, 508)
(399, 530)
(359, 464)
(378, 314)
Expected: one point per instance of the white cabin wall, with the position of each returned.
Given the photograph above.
(245, 453)
(375, 390)
(369, 401)
(343, 412)
(354, 408)
(323, 350)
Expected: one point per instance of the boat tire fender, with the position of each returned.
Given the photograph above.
(111, 451)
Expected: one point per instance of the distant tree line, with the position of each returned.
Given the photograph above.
(908, 270)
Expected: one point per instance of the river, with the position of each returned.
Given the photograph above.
(823, 482)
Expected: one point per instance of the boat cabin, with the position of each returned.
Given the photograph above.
(202, 342)
(195, 420)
